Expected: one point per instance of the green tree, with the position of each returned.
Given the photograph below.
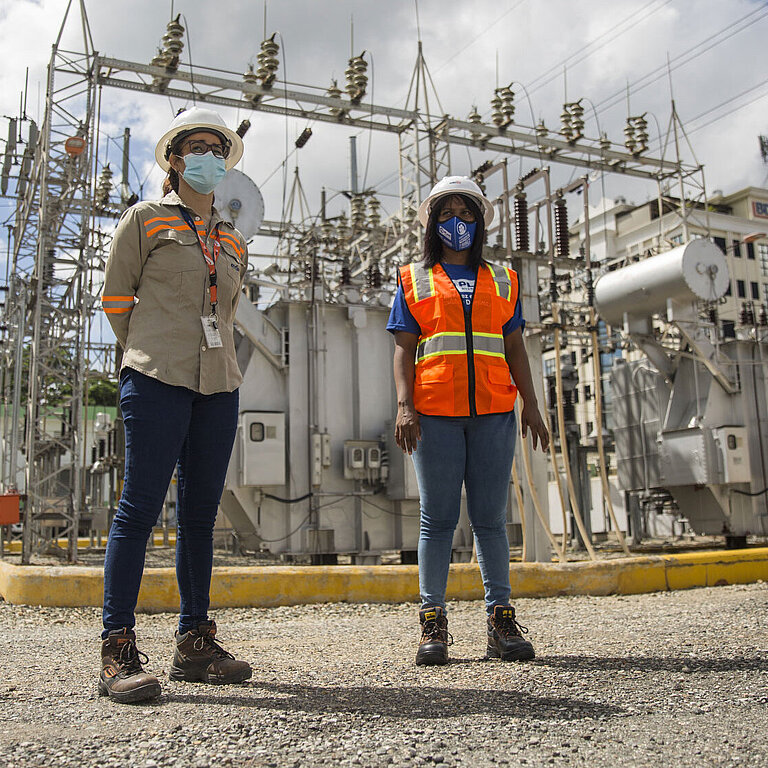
(102, 392)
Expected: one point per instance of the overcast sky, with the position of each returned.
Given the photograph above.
(716, 48)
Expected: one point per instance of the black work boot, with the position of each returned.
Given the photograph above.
(505, 639)
(122, 677)
(198, 658)
(433, 646)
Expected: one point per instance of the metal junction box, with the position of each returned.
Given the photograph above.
(262, 454)
(733, 444)
(688, 457)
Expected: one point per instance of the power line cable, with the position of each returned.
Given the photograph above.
(556, 68)
(455, 54)
(727, 114)
(689, 130)
(370, 129)
(680, 60)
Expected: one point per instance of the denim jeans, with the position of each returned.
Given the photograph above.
(164, 425)
(476, 452)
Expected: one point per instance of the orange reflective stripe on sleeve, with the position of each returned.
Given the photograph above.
(117, 304)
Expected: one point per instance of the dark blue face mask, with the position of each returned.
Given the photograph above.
(458, 235)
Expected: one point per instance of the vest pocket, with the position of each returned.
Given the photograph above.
(500, 377)
(434, 374)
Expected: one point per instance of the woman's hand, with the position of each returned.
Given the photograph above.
(531, 419)
(407, 427)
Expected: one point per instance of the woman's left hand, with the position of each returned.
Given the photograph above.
(531, 419)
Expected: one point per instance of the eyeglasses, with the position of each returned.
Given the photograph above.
(200, 147)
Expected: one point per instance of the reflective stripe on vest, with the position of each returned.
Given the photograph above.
(423, 282)
(452, 343)
(501, 281)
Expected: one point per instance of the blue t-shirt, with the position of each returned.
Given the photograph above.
(463, 277)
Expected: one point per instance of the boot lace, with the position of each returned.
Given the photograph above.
(207, 641)
(131, 658)
(508, 626)
(431, 630)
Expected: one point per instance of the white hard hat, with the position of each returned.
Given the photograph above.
(198, 119)
(456, 185)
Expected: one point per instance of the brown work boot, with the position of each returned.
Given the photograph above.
(435, 639)
(122, 677)
(198, 658)
(505, 636)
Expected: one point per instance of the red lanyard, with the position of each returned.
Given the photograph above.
(209, 260)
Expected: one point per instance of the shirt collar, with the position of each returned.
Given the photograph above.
(172, 198)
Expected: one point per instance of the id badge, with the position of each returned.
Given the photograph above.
(211, 331)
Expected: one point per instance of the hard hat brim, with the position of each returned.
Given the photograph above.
(235, 152)
(485, 205)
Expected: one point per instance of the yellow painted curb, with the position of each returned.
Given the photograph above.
(270, 586)
(14, 547)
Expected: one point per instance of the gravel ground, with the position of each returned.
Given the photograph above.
(667, 679)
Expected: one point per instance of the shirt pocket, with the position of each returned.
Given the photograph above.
(176, 250)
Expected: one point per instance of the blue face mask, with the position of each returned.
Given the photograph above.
(458, 235)
(204, 172)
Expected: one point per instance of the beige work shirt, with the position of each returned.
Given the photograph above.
(156, 290)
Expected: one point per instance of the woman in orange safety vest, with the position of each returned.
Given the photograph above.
(458, 329)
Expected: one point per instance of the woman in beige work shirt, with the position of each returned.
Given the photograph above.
(172, 284)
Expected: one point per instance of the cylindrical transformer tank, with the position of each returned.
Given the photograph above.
(696, 270)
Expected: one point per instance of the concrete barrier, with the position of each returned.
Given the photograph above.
(268, 586)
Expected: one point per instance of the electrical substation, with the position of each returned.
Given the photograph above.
(315, 475)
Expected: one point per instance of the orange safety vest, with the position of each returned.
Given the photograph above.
(461, 369)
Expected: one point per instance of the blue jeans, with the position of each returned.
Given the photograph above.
(165, 425)
(476, 452)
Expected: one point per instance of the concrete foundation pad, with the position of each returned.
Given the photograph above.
(264, 587)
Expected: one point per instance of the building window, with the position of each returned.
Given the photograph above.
(755, 291)
(741, 289)
(765, 291)
(762, 252)
(736, 245)
(590, 427)
(587, 392)
(729, 292)
(751, 251)
(719, 242)
(549, 367)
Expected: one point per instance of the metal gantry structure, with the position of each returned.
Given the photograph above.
(63, 216)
